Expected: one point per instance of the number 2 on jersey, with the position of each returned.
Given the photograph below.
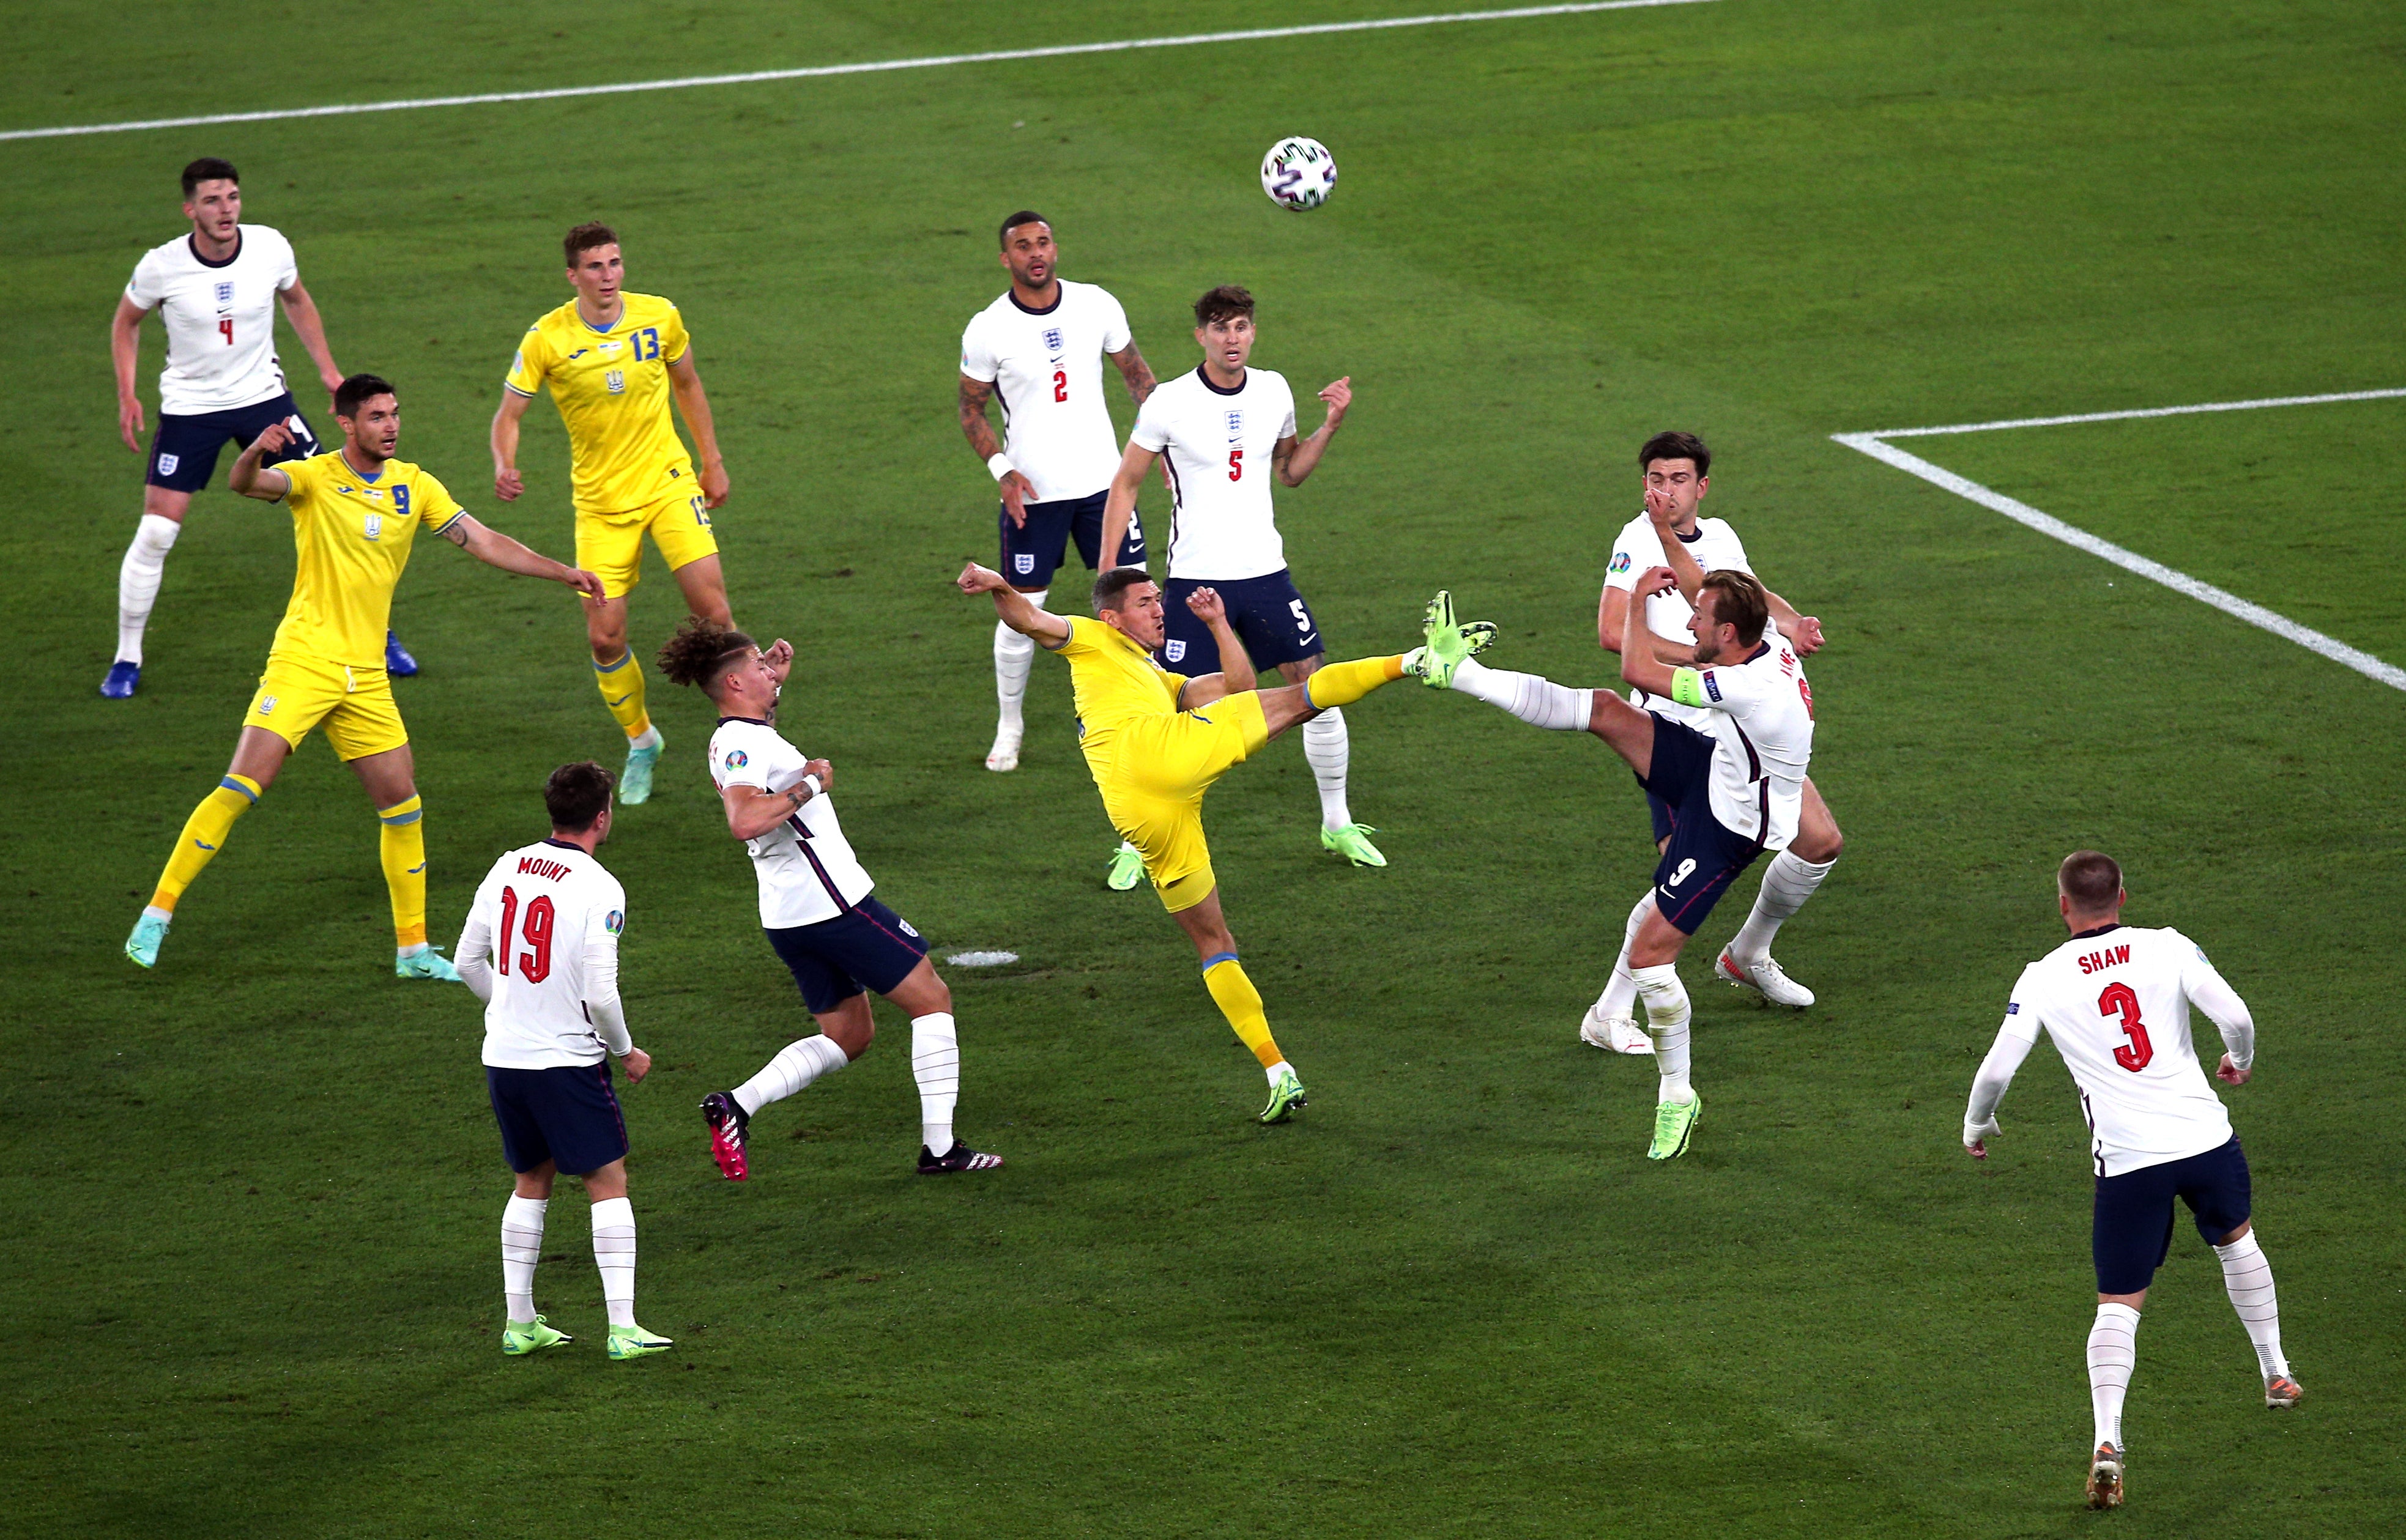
(1061, 385)
(534, 963)
(2123, 1000)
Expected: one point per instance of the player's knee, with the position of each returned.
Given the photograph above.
(1819, 846)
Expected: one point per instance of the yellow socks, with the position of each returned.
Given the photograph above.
(1241, 1003)
(622, 691)
(1342, 684)
(403, 849)
(203, 832)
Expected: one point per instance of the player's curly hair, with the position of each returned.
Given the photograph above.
(702, 650)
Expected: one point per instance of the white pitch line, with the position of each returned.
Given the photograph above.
(2147, 411)
(814, 72)
(2179, 582)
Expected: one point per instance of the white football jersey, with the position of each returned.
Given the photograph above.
(548, 917)
(806, 868)
(1637, 548)
(2115, 1003)
(1217, 444)
(220, 319)
(1047, 366)
(1758, 714)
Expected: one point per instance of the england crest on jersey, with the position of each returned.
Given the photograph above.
(1024, 563)
(167, 464)
(1053, 339)
(1236, 425)
(225, 293)
(1174, 650)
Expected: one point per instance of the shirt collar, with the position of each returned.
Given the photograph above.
(2095, 930)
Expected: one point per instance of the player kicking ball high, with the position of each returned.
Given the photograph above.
(1733, 790)
(1157, 740)
(1224, 432)
(815, 906)
(541, 950)
(355, 512)
(2115, 1000)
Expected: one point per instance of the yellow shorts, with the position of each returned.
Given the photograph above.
(1153, 782)
(354, 704)
(611, 546)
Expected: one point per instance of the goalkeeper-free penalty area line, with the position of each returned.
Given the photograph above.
(1876, 445)
(1250, 35)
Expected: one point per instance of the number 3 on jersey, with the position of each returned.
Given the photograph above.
(2123, 1000)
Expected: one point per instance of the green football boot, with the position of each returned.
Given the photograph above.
(1673, 1122)
(143, 945)
(1352, 841)
(1286, 1098)
(635, 781)
(635, 1342)
(1448, 644)
(530, 1336)
(1128, 868)
(425, 963)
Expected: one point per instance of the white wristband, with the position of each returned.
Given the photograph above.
(812, 782)
(1000, 463)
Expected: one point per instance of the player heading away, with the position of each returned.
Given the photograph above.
(613, 361)
(1734, 786)
(1040, 347)
(1156, 743)
(355, 512)
(541, 950)
(2115, 1000)
(1675, 471)
(216, 289)
(816, 908)
(1224, 432)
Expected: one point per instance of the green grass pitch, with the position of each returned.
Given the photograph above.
(248, 1202)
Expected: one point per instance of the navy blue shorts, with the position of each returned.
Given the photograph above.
(868, 947)
(567, 1115)
(1703, 856)
(1034, 551)
(184, 450)
(2132, 1232)
(1664, 819)
(1267, 613)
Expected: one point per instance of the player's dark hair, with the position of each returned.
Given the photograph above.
(209, 168)
(1226, 303)
(1013, 221)
(701, 651)
(1676, 447)
(356, 389)
(585, 238)
(1738, 600)
(2091, 878)
(576, 795)
(1113, 586)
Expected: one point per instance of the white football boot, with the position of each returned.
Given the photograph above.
(1004, 756)
(1766, 979)
(1615, 1034)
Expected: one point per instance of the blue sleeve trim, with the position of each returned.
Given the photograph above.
(230, 783)
(1216, 959)
(624, 659)
(399, 819)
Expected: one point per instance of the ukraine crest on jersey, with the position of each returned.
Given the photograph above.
(612, 388)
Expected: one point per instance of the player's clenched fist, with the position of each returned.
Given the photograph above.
(975, 579)
(1656, 580)
(825, 770)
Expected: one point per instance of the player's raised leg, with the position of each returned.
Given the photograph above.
(258, 755)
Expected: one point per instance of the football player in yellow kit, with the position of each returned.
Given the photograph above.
(356, 510)
(612, 360)
(1156, 740)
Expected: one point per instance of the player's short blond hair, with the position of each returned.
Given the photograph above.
(2091, 878)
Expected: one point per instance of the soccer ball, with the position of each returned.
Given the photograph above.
(1298, 172)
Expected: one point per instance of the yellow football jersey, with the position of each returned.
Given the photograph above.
(351, 535)
(612, 388)
(1113, 678)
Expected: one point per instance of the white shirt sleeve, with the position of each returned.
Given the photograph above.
(287, 266)
(2015, 1037)
(1738, 546)
(1288, 431)
(601, 978)
(2210, 992)
(1116, 335)
(747, 762)
(1151, 430)
(473, 955)
(1629, 559)
(977, 355)
(144, 287)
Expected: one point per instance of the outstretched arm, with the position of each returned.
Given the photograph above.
(1012, 607)
(495, 550)
(693, 405)
(1121, 506)
(264, 482)
(1293, 461)
(1235, 675)
(1989, 1088)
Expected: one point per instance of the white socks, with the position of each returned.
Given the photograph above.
(613, 1252)
(138, 580)
(1620, 996)
(796, 1066)
(521, 1248)
(1666, 1023)
(1013, 655)
(936, 1065)
(2248, 1278)
(1540, 703)
(1787, 883)
(1327, 750)
(2113, 1350)
(649, 739)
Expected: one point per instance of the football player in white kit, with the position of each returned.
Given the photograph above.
(541, 950)
(1222, 434)
(1735, 784)
(838, 942)
(1040, 344)
(1669, 532)
(2115, 1001)
(216, 289)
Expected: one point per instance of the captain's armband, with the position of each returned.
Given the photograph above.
(1688, 688)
